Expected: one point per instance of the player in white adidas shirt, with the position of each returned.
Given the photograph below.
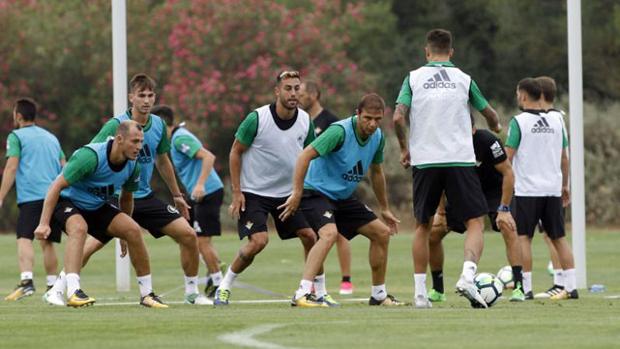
(537, 146)
(547, 98)
(262, 159)
(436, 98)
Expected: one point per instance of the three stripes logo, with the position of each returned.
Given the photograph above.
(542, 126)
(145, 157)
(439, 80)
(355, 174)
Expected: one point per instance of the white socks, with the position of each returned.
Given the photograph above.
(379, 292)
(228, 280)
(145, 284)
(27, 275)
(570, 280)
(469, 270)
(50, 279)
(305, 287)
(73, 283)
(558, 277)
(527, 281)
(191, 284)
(216, 278)
(319, 286)
(420, 284)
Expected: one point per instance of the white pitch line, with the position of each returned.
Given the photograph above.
(245, 338)
(243, 301)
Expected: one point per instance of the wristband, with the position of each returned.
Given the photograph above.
(503, 208)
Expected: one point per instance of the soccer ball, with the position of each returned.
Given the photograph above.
(505, 276)
(489, 286)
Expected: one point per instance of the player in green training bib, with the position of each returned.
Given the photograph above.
(34, 159)
(335, 163)
(78, 201)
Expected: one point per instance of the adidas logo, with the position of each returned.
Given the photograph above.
(542, 126)
(355, 174)
(328, 214)
(249, 225)
(439, 80)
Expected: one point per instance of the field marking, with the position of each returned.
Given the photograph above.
(245, 338)
(243, 301)
(613, 297)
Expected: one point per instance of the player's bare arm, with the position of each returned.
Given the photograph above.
(377, 179)
(234, 162)
(51, 199)
(504, 218)
(565, 176)
(301, 168)
(164, 167)
(8, 177)
(400, 127)
(492, 119)
(208, 159)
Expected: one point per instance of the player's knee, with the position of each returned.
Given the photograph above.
(307, 236)
(258, 242)
(329, 234)
(382, 234)
(133, 233)
(77, 230)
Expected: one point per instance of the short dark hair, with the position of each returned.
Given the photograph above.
(531, 87)
(125, 127)
(27, 108)
(142, 82)
(439, 41)
(313, 87)
(165, 112)
(287, 74)
(371, 102)
(549, 89)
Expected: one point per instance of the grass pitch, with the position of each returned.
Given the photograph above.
(118, 322)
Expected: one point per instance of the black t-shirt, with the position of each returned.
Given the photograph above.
(323, 120)
(489, 152)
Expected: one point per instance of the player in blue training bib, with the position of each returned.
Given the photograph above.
(337, 161)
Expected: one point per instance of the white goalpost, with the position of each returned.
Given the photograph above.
(119, 73)
(575, 92)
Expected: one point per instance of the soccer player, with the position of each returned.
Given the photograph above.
(310, 101)
(34, 159)
(151, 213)
(537, 146)
(77, 200)
(194, 165)
(497, 181)
(262, 159)
(436, 97)
(547, 98)
(335, 163)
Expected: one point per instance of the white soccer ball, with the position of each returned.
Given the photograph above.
(505, 276)
(489, 286)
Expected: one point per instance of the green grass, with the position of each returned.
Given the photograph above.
(593, 321)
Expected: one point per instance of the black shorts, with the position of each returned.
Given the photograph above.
(153, 214)
(462, 188)
(205, 215)
(547, 209)
(349, 214)
(28, 220)
(458, 226)
(97, 220)
(254, 218)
